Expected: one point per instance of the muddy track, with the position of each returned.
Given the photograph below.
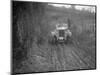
(67, 57)
(81, 52)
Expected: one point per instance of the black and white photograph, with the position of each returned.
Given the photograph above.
(52, 37)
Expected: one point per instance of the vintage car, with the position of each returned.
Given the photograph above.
(61, 33)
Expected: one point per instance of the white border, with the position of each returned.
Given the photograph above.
(5, 36)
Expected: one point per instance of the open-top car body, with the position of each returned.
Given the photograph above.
(61, 33)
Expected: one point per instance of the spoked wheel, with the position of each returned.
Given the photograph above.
(67, 41)
(54, 40)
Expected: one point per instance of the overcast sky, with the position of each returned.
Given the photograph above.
(78, 7)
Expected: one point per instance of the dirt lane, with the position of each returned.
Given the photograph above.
(66, 57)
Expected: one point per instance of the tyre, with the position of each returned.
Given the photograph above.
(54, 40)
(67, 40)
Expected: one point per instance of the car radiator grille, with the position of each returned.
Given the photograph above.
(61, 33)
